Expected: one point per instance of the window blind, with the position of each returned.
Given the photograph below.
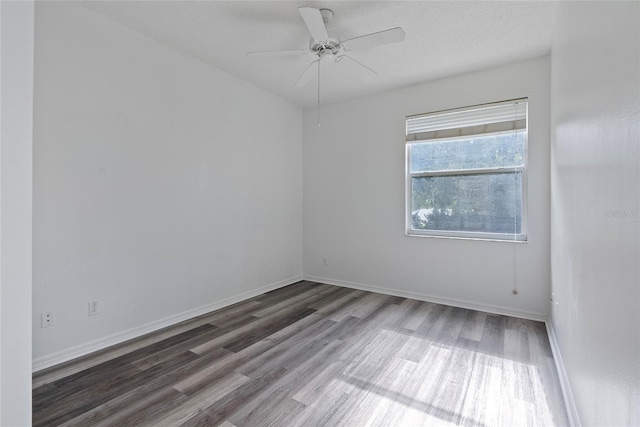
(480, 119)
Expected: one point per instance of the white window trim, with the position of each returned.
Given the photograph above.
(466, 235)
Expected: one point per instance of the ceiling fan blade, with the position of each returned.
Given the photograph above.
(313, 19)
(307, 75)
(393, 35)
(341, 57)
(279, 53)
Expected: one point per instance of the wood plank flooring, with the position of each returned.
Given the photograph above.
(311, 354)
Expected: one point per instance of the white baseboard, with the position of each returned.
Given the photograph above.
(530, 315)
(119, 337)
(570, 403)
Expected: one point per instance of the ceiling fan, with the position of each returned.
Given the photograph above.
(322, 46)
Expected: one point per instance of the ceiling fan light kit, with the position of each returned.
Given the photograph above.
(323, 46)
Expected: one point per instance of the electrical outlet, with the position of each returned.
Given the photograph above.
(93, 308)
(46, 319)
(325, 261)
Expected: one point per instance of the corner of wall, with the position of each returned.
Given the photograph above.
(567, 394)
(17, 39)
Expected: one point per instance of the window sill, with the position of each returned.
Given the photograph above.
(519, 239)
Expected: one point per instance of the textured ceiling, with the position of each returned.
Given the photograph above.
(442, 38)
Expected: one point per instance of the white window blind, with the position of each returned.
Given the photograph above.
(483, 119)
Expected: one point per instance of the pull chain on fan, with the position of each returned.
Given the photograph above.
(318, 93)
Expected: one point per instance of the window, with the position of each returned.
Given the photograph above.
(466, 172)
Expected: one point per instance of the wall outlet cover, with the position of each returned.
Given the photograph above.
(46, 319)
(93, 308)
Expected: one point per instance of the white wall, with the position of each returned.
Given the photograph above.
(354, 192)
(16, 85)
(162, 186)
(595, 207)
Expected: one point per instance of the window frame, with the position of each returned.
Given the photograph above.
(469, 235)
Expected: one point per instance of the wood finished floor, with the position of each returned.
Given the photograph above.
(311, 354)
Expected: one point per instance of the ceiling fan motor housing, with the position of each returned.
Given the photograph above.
(331, 46)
